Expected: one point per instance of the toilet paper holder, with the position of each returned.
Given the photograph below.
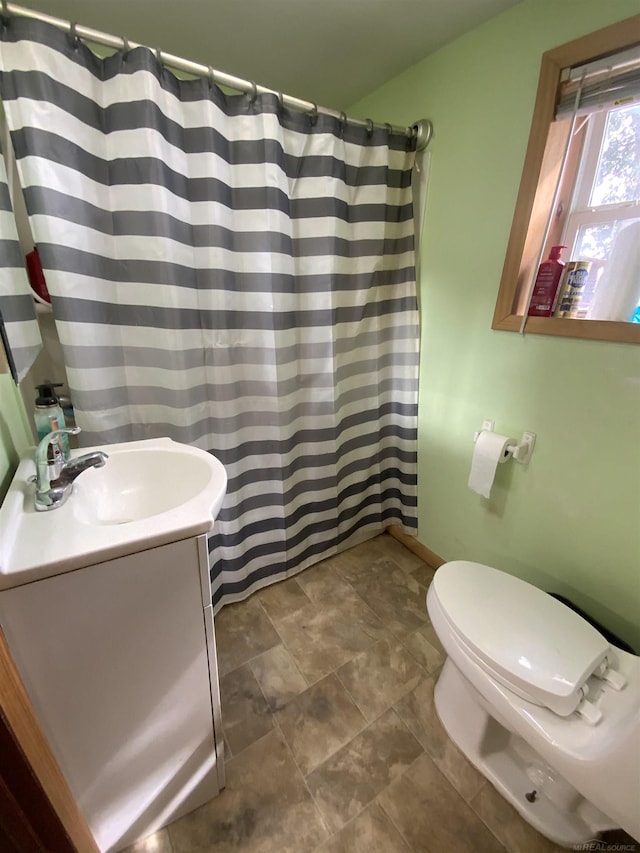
(520, 452)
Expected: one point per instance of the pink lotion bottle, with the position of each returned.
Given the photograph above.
(546, 284)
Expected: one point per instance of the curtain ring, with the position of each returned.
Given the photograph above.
(313, 115)
(343, 123)
(158, 55)
(281, 99)
(389, 127)
(126, 48)
(253, 97)
(369, 127)
(5, 12)
(211, 77)
(74, 35)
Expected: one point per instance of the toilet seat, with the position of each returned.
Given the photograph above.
(521, 636)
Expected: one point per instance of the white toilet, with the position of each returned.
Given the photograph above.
(539, 702)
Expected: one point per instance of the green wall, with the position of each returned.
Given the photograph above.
(569, 521)
(14, 432)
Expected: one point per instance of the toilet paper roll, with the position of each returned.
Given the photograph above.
(490, 450)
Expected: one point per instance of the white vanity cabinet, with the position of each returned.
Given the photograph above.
(119, 661)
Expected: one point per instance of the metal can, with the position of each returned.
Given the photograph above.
(574, 279)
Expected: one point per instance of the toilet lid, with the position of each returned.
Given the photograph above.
(520, 634)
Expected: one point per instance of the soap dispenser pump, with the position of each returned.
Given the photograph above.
(48, 415)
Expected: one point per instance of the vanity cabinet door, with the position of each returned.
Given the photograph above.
(215, 692)
(115, 660)
(205, 582)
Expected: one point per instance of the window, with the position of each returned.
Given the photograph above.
(581, 187)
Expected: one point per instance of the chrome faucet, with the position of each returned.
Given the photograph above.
(55, 475)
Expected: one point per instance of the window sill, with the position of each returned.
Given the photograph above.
(594, 330)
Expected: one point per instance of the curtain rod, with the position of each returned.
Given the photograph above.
(421, 129)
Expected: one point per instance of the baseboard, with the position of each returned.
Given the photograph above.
(417, 548)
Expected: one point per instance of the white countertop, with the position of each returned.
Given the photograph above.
(36, 545)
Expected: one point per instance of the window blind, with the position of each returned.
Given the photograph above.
(602, 84)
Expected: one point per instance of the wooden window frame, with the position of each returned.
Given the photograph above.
(543, 161)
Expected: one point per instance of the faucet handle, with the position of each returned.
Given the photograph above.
(42, 450)
(65, 430)
(46, 440)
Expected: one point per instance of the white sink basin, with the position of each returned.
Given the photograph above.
(139, 483)
(147, 494)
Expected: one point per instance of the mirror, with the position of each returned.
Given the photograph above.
(19, 327)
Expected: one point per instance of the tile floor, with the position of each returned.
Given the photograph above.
(332, 741)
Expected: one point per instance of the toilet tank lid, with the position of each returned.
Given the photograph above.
(523, 634)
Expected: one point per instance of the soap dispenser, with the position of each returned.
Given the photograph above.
(48, 415)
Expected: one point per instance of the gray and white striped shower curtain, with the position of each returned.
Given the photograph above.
(233, 275)
(19, 329)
